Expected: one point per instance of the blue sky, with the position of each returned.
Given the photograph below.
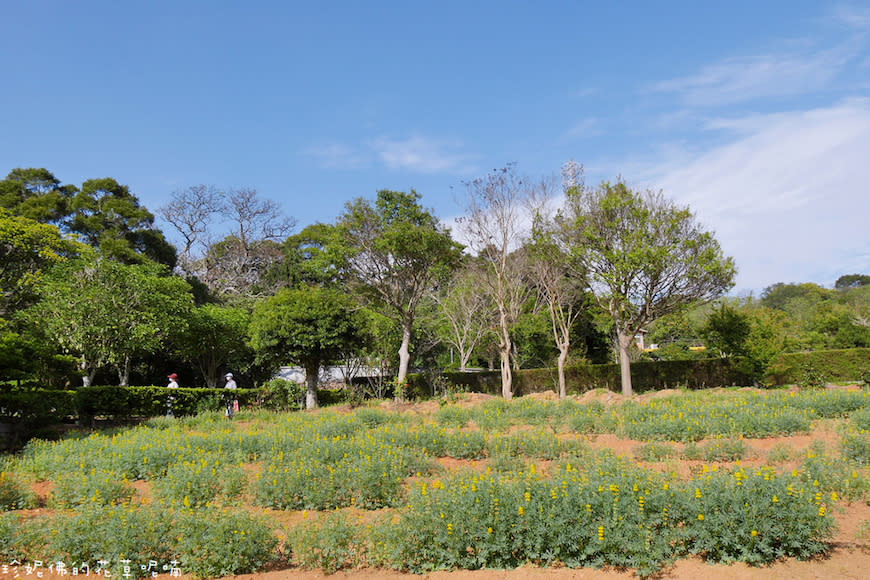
(755, 114)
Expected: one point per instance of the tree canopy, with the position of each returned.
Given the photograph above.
(394, 249)
(644, 257)
(106, 313)
(309, 326)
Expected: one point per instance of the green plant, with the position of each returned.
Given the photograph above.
(723, 450)
(655, 451)
(691, 452)
(282, 395)
(780, 453)
(331, 544)
(811, 376)
(830, 474)
(221, 543)
(97, 488)
(14, 494)
(754, 517)
(199, 482)
(856, 447)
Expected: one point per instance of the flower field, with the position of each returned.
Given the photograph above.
(447, 486)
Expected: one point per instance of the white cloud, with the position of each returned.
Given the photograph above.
(788, 198)
(337, 156)
(744, 79)
(419, 154)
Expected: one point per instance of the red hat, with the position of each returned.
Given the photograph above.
(172, 376)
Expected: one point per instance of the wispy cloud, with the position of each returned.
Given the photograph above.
(853, 16)
(588, 127)
(788, 196)
(420, 154)
(337, 156)
(744, 79)
(416, 154)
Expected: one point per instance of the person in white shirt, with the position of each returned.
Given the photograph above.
(173, 384)
(231, 402)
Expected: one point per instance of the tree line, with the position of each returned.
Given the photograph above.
(536, 274)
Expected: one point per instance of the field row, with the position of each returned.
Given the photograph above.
(211, 482)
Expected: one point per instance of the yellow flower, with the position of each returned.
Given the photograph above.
(754, 533)
(700, 517)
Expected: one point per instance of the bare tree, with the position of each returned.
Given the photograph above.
(255, 218)
(560, 284)
(496, 220)
(191, 212)
(466, 312)
(232, 264)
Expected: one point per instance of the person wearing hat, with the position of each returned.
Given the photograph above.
(231, 402)
(173, 384)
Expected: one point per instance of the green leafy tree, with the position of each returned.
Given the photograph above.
(852, 281)
(727, 330)
(36, 194)
(309, 326)
(108, 216)
(796, 299)
(215, 341)
(108, 313)
(27, 249)
(768, 337)
(102, 212)
(313, 256)
(395, 249)
(644, 257)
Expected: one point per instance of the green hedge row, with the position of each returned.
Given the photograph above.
(852, 364)
(645, 376)
(43, 406)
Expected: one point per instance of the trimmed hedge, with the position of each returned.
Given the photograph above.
(645, 376)
(851, 364)
(44, 406)
(37, 407)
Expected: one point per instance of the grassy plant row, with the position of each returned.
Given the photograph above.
(624, 518)
(206, 543)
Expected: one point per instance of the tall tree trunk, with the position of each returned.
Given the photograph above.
(124, 372)
(311, 376)
(560, 362)
(504, 351)
(404, 359)
(88, 373)
(624, 342)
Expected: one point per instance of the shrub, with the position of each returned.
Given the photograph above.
(754, 517)
(14, 494)
(282, 395)
(331, 544)
(97, 487)
(215, 543)
(655, 451)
